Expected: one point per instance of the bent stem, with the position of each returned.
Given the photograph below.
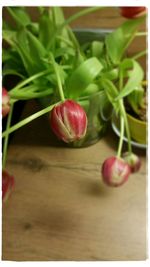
(35, 76)
(7, 137)
(80, 14)
(28, 119)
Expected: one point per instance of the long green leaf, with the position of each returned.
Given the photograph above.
(20, 16)
(111, 92)
(37, 50)
(83, 76)
(46, 28)
(23, 50)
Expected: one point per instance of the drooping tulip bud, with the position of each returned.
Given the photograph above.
(132, 12)
(68, 121)
(5, 102)
(115, 171)
(7, 185)
(133, 160)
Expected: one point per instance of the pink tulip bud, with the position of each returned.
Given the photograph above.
(5, 102)
(132, 12)
(115, 171)
(68, 121)
(133, 161)
(7, 185)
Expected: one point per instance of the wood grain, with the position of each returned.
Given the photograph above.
(60, 209)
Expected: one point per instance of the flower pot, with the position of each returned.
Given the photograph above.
(97, 124)
(138, 129)
(92, 104)
(97, 120)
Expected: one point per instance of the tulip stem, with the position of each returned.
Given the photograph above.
(123, 114)
(126, 125)
(61, 93)
(7, 137)
(27, 120)
(121, 136)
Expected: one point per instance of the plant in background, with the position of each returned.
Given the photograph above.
(53, 67)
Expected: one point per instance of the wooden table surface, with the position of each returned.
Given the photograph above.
(60, 209)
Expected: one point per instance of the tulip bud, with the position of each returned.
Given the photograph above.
(115, 171)
(133, 161)
(68, 121)
(7, 185)
(132, 12)
(5, 102)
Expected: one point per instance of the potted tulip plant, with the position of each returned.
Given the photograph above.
(77, 85)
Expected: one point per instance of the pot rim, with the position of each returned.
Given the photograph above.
(136, 120)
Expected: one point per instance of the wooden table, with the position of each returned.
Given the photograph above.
(61, 210)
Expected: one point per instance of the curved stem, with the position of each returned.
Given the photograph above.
(121, 136)
(7, 137)
(35, 76)
(30, 95)
(81, 13)
(61, 93)
(28, 119)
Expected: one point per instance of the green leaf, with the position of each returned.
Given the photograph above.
(111, 92)
(37, 50)
(33, 28)
(97, 49)
(59, 19)
(46, 28)
(9, 36)
(63, 51)
(91, 89)
(20, 16)
(135, 75)
(118, 41)
(23, 50)
(110, 74)
(106, 107)
(83, 76)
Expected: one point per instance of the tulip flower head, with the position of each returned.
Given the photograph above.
(115, 171)
(5, 102)
(7, 185)
(133, 160)
(68, 121)
(132, 12)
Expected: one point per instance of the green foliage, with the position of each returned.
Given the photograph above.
(84, 70)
